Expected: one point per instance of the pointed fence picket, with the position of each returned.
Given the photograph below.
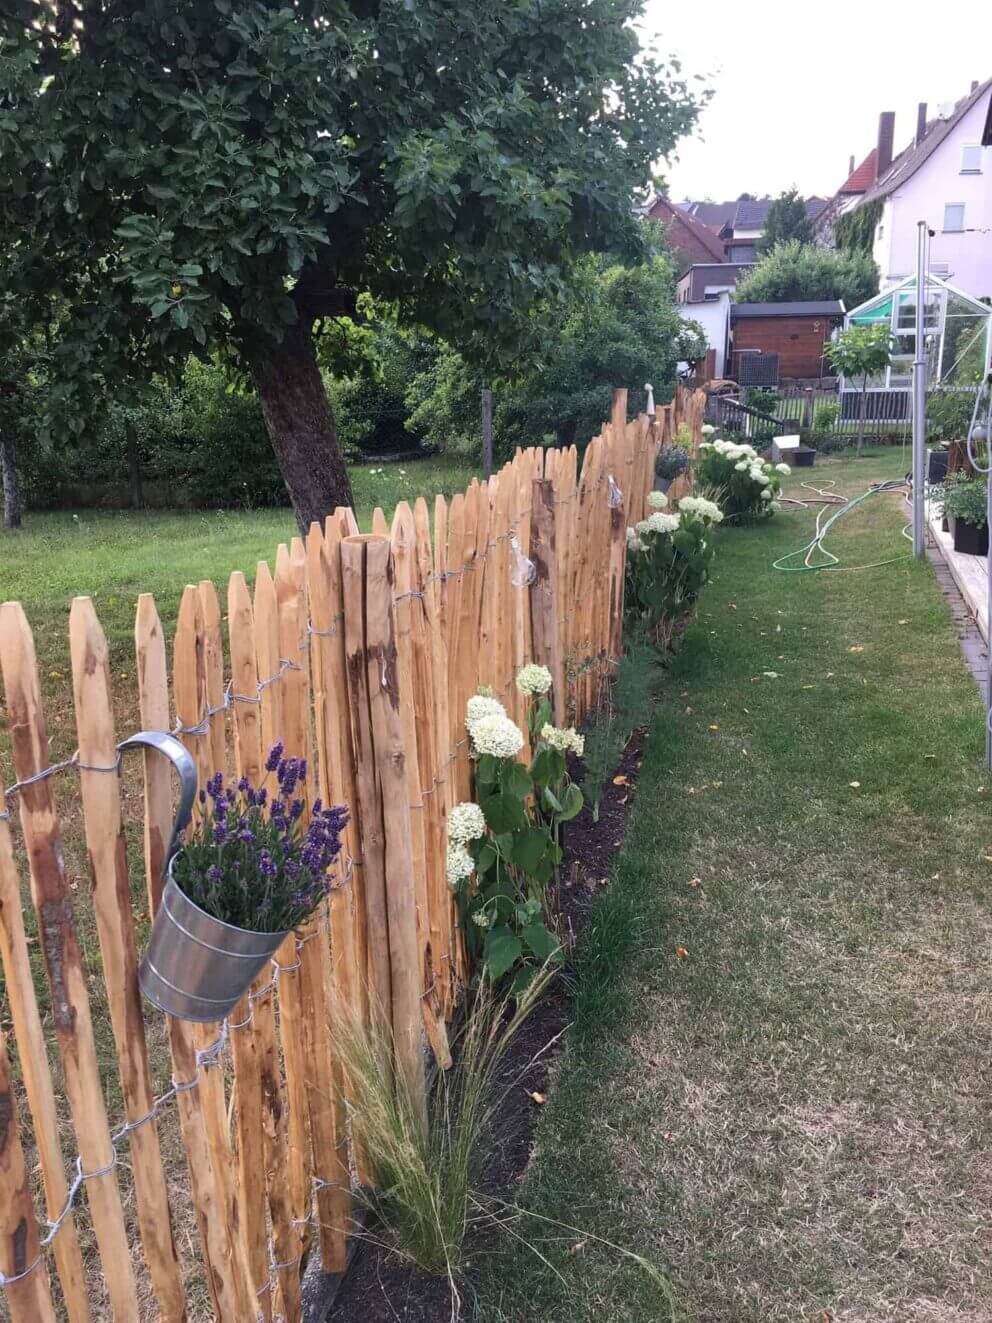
(359, 654)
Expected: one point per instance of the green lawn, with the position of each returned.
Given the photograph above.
(114, 556)
(789, 1116)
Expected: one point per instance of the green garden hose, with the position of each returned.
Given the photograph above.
(815, 545)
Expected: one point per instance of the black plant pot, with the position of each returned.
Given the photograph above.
(936, 465)
(969, 540)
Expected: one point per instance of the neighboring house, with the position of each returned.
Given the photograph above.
(708, 280)
(943, 177)
(859, 179)
(739, 225)
(713, 315)
(797, 332)
(688, 239)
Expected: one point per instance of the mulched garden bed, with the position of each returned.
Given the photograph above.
(379, 1287)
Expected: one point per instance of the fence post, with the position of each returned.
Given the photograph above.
(63, 958)
(107, 850)
(487, 433)
(544, 591)
(30, 1299)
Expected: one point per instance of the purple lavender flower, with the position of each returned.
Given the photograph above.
(247, 835)
(214, 874)
(220, 833)
(244, 785)
(301, 769)
(275, 754)
(296, 811)
(203, 796)
(266, 864)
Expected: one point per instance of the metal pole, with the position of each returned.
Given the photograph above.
(919, 395)
(487, 432)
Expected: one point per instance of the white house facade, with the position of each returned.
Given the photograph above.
(945, 179)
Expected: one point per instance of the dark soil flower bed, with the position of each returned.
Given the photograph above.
(379, 1287)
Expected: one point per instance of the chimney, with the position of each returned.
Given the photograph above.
(886, 136)
(921, 122)
(850, 165)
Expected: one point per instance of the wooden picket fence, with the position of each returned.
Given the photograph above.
(360, 653)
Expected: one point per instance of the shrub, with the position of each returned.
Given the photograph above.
(825, 415)
(793, 270)
(504, 850)
(668, 558)
(949, 415)
(743, 484)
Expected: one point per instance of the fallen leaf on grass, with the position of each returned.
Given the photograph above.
(808, 686)
(714, 726)
(770, 675)
(619, 780)
(681, 952)
(695, 882)
(539, 1098)
(905, 622)
(855, 785)
(858, 647)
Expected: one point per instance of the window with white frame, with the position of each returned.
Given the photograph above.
(971, 159)
(953, 217)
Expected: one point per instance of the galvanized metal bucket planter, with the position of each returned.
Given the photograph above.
(196, 967)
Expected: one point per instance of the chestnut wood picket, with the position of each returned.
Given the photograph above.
(359, 653)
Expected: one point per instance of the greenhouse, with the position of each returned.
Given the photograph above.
(957, 334)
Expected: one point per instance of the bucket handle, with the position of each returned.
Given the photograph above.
(182, 761)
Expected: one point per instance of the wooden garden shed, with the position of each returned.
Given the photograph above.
(796, 332)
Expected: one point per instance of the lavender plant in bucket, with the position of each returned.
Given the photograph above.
(249, 873)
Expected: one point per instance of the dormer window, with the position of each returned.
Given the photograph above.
(971, 159)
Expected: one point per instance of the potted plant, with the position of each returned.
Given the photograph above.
(965, 497)
(248, 874)
(671, 462)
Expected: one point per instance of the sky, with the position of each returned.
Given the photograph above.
(798, 88)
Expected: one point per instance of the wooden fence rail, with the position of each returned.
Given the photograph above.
(359, 654)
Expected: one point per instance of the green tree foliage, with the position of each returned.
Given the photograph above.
(858, 353)
(619, 327)
(786, 219)
(211, 174)
(796, 271)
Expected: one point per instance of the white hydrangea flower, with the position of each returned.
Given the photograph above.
(699, 505)
(657, 500)
(497, 734)
(660, 522)
(481, 918)
(707, 445)
(707, 429)
(466, 822)
(742, 466)
(482, 705)
(635, 544)
(458, 865)
(783, 469)
(533, 679)
(766, 494)
(568, 740)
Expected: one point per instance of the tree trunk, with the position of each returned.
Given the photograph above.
(11, 486)
(134, 466)
(300, 423)
(862, 410)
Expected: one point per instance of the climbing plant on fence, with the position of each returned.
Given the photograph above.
(359, 653)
